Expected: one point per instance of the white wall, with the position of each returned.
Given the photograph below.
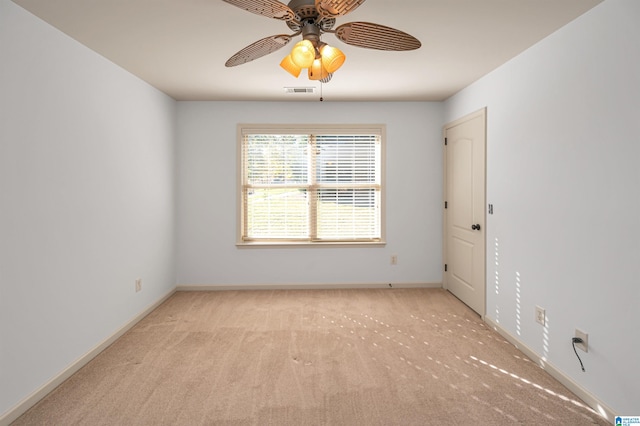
(87, 200)
(564, 176)
(207, 213)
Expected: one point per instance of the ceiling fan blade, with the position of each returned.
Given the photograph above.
(376, 36)
(258, 49)
(335, 8)
(270, 8)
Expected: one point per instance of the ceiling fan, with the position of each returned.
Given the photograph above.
(311, 19)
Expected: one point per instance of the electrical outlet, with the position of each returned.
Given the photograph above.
(138, 285)
(585, 340)
(394, 259)
(540, 316)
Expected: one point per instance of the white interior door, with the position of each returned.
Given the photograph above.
(464, 217)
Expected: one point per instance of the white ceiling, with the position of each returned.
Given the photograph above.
(181, 46)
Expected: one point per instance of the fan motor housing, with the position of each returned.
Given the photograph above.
(306, 13)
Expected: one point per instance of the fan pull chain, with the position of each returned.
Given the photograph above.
(321, 66)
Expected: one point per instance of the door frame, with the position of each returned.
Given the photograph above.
(483, 113)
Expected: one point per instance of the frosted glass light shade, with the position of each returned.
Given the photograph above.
(289, 66)
(303, 54)
(332, 58)
(317, 71)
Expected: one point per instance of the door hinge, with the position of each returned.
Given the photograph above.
(445, 141)
(446, 205)
(445, 267)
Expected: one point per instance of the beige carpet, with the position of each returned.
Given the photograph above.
(311, 357)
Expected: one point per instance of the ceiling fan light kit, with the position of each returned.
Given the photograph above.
(290, 66)
(332, 58)
(312, 18)
(317, 71)
(303, 54)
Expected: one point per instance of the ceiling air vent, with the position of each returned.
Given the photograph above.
(295, 90)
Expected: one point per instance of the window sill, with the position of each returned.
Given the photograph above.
(305, 244)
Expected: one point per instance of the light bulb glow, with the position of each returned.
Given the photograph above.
(332, 58)
(289, 66)
(303, 54)
(317, 71)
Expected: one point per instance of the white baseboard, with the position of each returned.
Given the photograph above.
(31, 400)
(344, 286)
(598, 406)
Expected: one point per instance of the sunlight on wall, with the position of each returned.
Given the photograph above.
(545, 341)
(497, 278)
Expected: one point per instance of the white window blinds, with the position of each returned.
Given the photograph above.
(321, 186)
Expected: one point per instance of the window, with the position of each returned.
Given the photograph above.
(311, 184)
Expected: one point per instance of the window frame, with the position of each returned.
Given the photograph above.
(244, 128)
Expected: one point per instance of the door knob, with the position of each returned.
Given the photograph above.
(475, 227)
